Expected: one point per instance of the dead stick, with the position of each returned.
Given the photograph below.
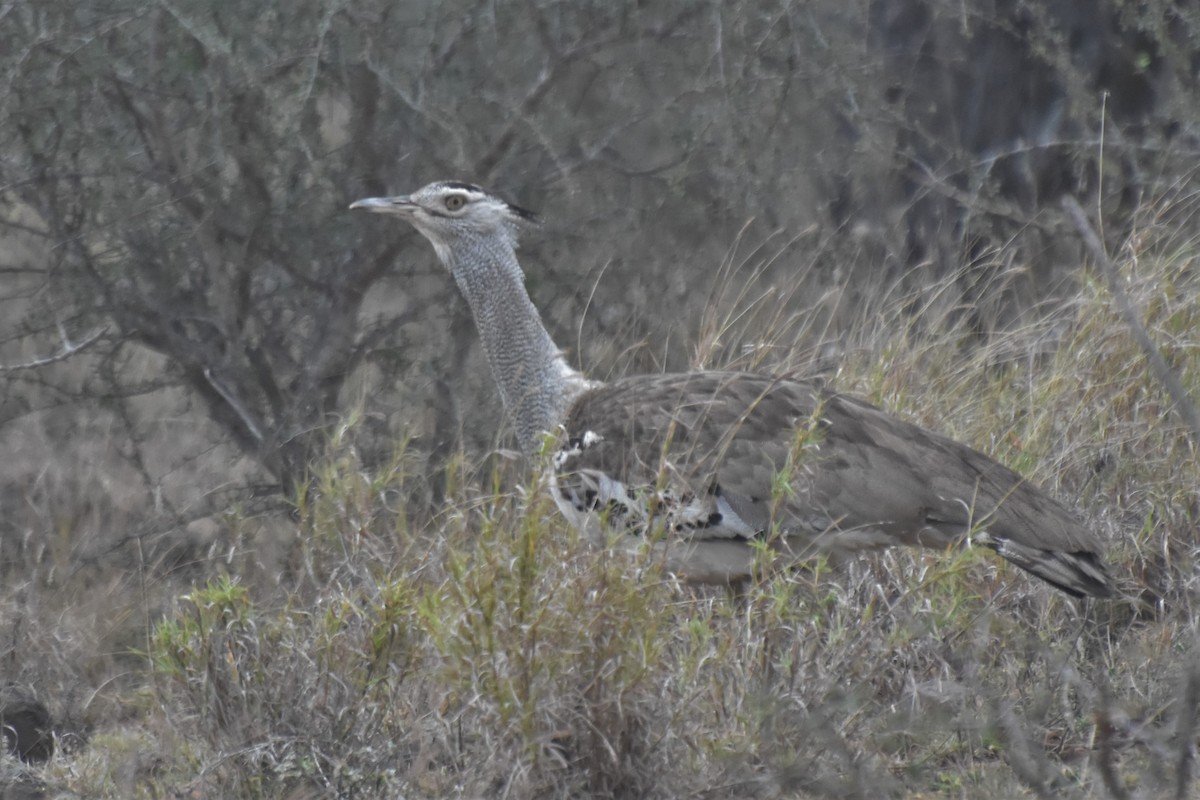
(1158, 364)
(68, 349)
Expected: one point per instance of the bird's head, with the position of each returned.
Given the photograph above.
(452, 213)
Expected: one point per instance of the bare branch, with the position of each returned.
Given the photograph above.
(69, 349)
(237, 405)
(1185, 731)
(1183, 405)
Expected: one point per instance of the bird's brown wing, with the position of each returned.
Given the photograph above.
(752, 455)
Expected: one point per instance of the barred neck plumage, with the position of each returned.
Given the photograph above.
(474, 235)
(536, 383)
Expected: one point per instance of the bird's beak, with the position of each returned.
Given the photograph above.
(386, 205)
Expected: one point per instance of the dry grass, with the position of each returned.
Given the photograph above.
(370, 648)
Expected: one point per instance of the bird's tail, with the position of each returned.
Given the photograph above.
(1079, 573)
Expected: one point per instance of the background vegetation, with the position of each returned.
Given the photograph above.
(262, 537)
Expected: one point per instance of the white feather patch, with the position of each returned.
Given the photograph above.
(597, 503)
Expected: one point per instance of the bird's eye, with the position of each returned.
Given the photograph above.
(455, 201)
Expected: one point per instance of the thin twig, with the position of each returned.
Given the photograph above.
(69, 349)
(1183, 405)
(1107, 760)
(1029, 763)
(237, 405)
(1185, 732)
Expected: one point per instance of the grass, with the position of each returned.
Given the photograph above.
(378, 648)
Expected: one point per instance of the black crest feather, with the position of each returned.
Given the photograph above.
(523, 213)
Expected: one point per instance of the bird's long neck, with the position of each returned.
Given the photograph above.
(535, 381)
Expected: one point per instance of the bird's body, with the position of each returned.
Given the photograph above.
(718, 461)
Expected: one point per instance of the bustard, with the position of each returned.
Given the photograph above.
(723, 459)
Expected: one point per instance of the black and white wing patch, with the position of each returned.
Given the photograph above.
(599, 503)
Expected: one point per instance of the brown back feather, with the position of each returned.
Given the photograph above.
(791, 452)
